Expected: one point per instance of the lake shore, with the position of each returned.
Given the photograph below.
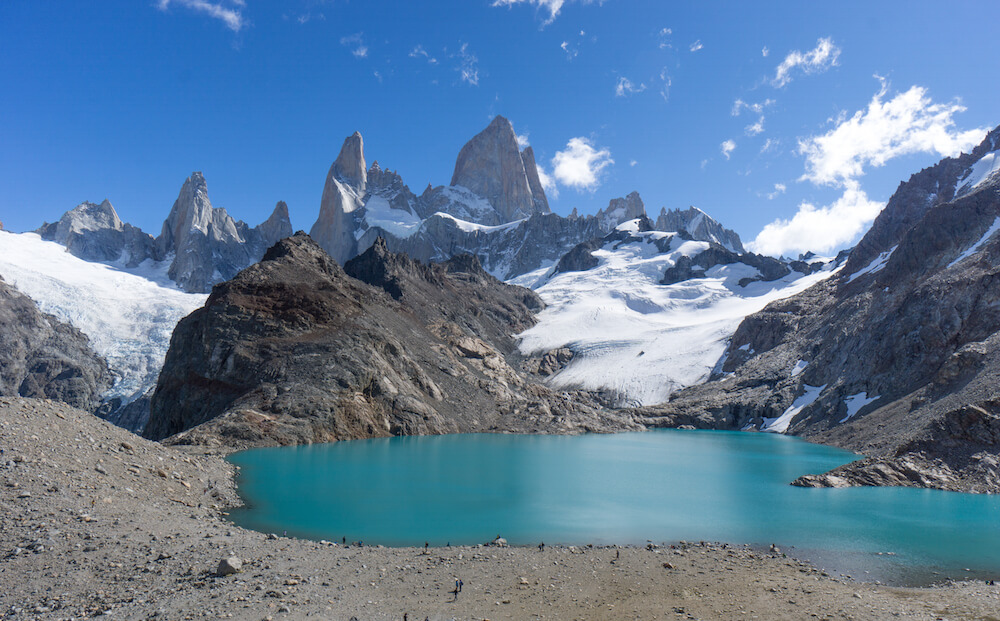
(99, 521)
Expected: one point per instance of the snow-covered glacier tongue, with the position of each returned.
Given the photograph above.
(638, 338)
(128, 313)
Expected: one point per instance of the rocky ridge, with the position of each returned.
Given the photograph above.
(897, 357)
(296, 349)
(43, 357)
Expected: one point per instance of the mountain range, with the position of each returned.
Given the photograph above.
(391, 317)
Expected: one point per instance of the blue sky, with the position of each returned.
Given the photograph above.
(790, 122)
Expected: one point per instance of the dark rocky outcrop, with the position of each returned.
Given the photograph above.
(904, 342)
(41, 357)
(695, 267)
(296, 350)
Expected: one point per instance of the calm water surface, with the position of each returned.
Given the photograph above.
(631, 488)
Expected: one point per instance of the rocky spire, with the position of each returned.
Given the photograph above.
(343, 194)
(277, 227)
(621, 210)
(491, 166)
(350, 165)
(534, 183)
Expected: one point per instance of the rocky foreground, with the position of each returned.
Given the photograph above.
(97, 521)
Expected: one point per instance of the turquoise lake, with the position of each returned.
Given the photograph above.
(658, 486)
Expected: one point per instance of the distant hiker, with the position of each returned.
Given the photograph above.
(460, 584)
(426, 544)
(406, 616)
(344, 541)
(617, 554)
(541, 546)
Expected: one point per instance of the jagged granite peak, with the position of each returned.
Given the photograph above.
(343, 194)
(95, 233)
(209, 246)
(621, 210)
(293, 350)
(898, 358)
(277, 227)
(700, 226)
(534, 182)
(350, 167)
(42, 357)
(491, 166)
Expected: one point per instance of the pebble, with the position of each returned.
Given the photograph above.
(229, 566)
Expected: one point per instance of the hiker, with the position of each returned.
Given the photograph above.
(541, 546)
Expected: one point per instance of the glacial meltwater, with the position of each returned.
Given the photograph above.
(631, 488)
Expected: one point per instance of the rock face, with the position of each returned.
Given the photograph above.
(700, 226)
(296, 349)
(343, 196)
(96, 233)
(491, 166)
(207, 244)
(42, 357)
(898, 357)
(621, 210)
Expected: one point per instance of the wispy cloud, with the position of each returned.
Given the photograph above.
(522, 140)
(548, 183)
(779, 189)
(468, 65)
(420, 52)
(625, 87)
(908, 123)
(764, 51)
(356, 41)
(663, 35)
(552, 7)
(727, 147)
(665, 84)
(697, 45)
(757, 108)
(816, 60)
(222, 10)
(580, 165)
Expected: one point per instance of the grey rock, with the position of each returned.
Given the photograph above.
(621, 210)
(229, 566)
(491, 166)
(343, 196)
(96, 233)
(42, 357)
(700, 226)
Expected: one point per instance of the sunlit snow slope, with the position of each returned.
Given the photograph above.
(636, 337)
(128, 315)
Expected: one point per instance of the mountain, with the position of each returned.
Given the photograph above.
(495, 209)
(296, 349)
(898, 356)
(203, 245)
(642, 313)
(699, 225)
(43, 357)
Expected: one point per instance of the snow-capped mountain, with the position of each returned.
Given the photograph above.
(636, 330)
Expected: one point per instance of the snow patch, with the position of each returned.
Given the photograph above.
(877, 264)
(854, 404)
(379, 213)
(983, 172)
(472, 227)
(607, 315)
(799, 367)
(990, 232)
(781, 423)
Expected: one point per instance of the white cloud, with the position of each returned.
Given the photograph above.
(817, 60)
(696, 46)
(764, 51)
(666, 83)
(420, 52)
(231, 17)
(357, 42)
(758, 108)
(632, 162)
(664, 37)
(779, 189)
(770, 144)
(580, 165)
(468, 65)
(819, 229)
(727, 147)
(908, 123)
(548, 183)
(522, 140)
(626, 87)
(552, 6)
